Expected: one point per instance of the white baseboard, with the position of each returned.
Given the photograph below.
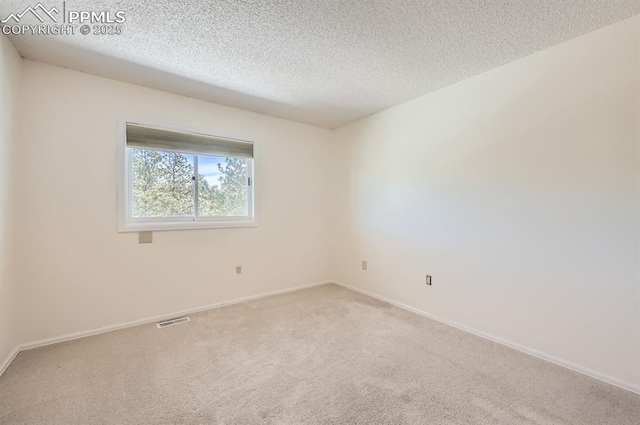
(5, 364)
(539, 354)
(83, 334)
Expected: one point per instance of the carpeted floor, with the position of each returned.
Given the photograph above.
(324, 355)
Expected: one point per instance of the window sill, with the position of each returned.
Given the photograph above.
(183, 225)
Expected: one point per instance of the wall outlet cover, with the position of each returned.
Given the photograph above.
(145, 237)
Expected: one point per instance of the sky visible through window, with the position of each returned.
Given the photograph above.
(208, 167)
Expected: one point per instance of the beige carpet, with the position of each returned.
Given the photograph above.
(324, 355)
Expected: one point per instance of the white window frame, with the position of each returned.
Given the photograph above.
(126, 223)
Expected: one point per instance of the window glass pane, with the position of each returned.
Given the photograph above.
(162, 184)
(222, 186)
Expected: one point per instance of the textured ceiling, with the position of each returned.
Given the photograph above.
(322, 62)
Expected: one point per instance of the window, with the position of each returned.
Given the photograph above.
(184, 180)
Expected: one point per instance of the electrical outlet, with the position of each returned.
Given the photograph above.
(429, 280)
(238, 269)
(364, 265)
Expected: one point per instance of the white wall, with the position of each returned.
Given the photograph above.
(10, 63)
(78, 273)
(518, 191)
